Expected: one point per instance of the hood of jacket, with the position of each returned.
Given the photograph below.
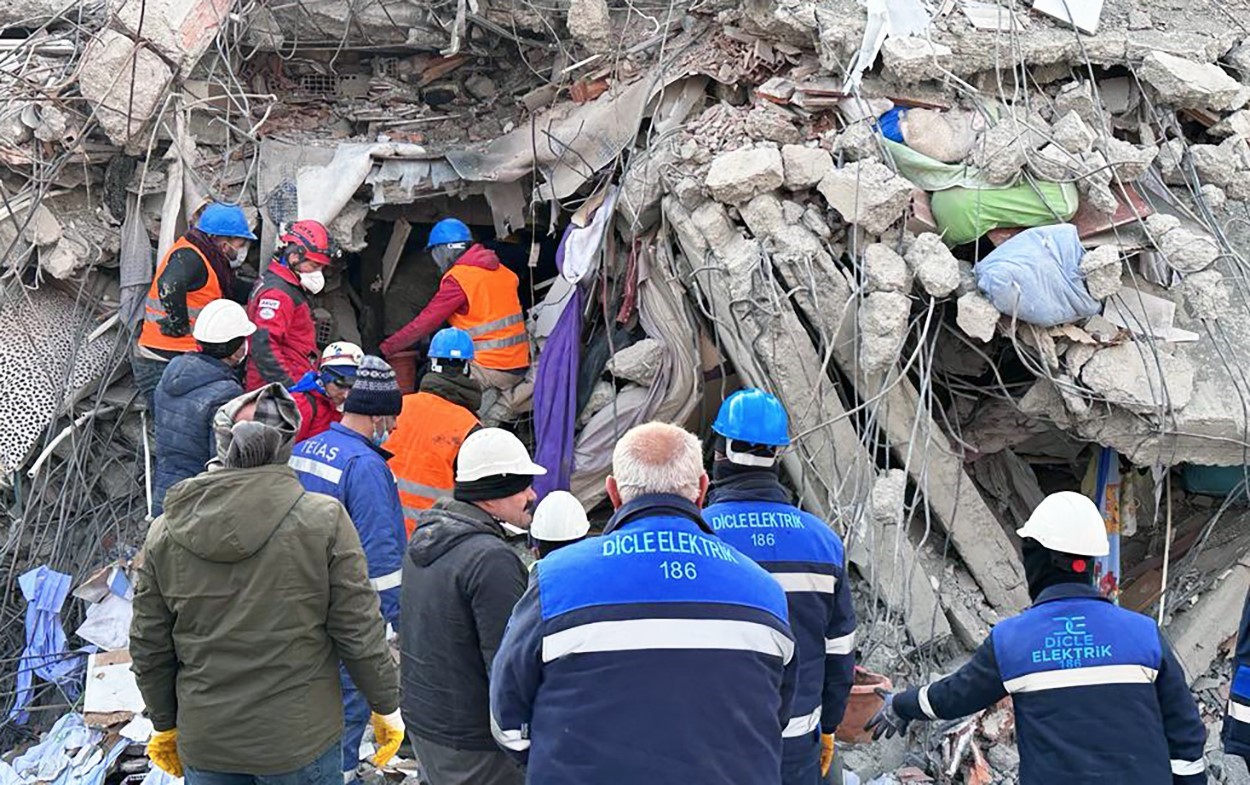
(454, 388)
(479, 256)
(733, 483)
(192, 371)
(202, 514)
(447, 524)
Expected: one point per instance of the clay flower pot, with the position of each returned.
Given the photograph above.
(863, 704)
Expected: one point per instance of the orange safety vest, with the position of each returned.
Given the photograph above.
(428, 434)
(494, 319)
(151, 335)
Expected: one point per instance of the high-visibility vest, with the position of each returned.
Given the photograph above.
(494, 319)
(151, 335)
(427, 437)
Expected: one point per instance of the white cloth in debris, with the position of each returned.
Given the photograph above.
(107, 624)
(581, 247)
(69, 755)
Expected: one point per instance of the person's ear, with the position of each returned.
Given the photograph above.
(614, 493)
(703, 484)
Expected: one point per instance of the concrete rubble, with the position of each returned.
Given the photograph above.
(812, 230)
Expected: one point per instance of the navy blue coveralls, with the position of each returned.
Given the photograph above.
(346, 465)
(752, 512)
(654, 654)
(1098, 694)
(1236, 732)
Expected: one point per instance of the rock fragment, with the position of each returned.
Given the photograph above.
(914, 59)
(1129, 161)
(1190, 85)
(1214, 196)
(1102, 270)
(1002, 151)
(769, 123)
(1140, 377)
(934, 265)
(804, 167)
(1072, 134)
(736, 176)
(1184, 251)
(882, 327)
(639, 362)
(1078, 97)
(123, 106)
(857, 143)
(1206, 294)
(885, 271)
(867, 194)
(591, 24)
(977, 316)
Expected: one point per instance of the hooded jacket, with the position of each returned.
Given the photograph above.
(460, 581)
(250, 592)
(191, 390)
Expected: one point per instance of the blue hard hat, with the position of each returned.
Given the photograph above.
(451, 343)
(755, 417)
(225, 220)
(449, 230)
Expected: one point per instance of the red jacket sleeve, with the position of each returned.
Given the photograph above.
(272, 311)
(447, 300)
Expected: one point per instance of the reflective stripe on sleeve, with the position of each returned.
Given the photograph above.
(842, 645)
(1239, 711)
(1081, 677)
(1187, 768)
(806, 581)
(645, 634)
(315, 468)
(388, 581)
(925, 706)
(801, 726)
(515, 740)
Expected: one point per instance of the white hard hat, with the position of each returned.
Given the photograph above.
(342, 353)
(221, 321)
(491, 452)
(1069, 523)
(559, 517)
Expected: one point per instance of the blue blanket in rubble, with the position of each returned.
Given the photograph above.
(1036, 277)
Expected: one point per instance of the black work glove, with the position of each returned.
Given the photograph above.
(887, 722)
(173, 329)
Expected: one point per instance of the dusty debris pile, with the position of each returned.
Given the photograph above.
(979, 252)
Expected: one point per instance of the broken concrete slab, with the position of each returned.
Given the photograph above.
(64, 259)
(1073, 134)
(123, 105)
(642, 187)
(1129, 161)
(1002, 151)
(639, 362)
(1103, 271)
(804, 167)
(1191, 85)
(1184, 251)
(885, 271)
(736, 176)
(1140, 377)
(867, 194)
(977, 316)
(1206, 294)
(590, 24)
(1079, 97)
(858, 142)
(180, 30)
(1236, 124)
(1198, 634)
(915, 59)
(934, 265)
(883, 320)
(770, 123)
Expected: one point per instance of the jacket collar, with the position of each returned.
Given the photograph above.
(1067, 591)
(472, 513)
(742, 484)
(655, 505)
(479, 255)
(340, 428)
(278, 267)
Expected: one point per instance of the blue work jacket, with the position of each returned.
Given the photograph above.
(346, 465)
(656, 654)
(1098, 694)
(1236, 732)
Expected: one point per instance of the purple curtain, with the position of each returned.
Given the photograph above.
(555, 392)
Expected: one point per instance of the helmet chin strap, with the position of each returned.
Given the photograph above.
(747, 459)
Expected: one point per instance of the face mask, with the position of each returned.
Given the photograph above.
(312, 282)
(379, 439)
(239, 258)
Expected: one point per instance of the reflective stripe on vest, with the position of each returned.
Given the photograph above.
(150, 335)
(428, 491)
(493, 317)
(427, 438)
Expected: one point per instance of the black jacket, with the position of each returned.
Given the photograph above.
(191, 390)
(460, 582)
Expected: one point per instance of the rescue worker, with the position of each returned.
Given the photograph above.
(284, 347)
(461, 580)
(194, 386)
(559, 520)
(320, 394)
(197, 269)
(654, 653)
(750, 509)
(477, 294)
(433, 423)
(348, 463)
(1236, 731)
(250, 593)
(1075, 665)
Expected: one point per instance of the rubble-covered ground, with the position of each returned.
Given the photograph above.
(980, 254)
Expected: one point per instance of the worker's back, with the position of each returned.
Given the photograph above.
(655, 654)
(1075, 666)
(429, 433)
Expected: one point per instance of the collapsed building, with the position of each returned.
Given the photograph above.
(981, 250)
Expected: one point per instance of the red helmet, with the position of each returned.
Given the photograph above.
(313, 238)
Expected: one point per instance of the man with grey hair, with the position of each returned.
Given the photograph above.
(250, 593)
(655, 653)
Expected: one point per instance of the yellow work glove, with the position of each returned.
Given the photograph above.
(163, 751)
(826, 754)
(388, 734)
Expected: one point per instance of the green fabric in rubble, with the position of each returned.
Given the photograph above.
(964, 214)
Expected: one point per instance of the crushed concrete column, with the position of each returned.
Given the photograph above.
(105, 80)
(1198, 633)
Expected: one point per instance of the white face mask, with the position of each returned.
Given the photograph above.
(239, 258)
(312, 282)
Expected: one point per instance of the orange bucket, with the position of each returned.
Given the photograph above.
(863, 704)
(404, 364)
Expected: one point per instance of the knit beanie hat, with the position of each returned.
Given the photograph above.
(375, 392)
